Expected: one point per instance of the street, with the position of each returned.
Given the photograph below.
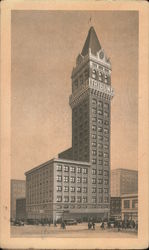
(75, 231)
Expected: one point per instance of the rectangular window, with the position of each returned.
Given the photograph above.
(66, 189)
(94, 110)
(106, 182)
(100, 121)
(100, 146)
(100, 129)
(100, 172)
(79, 189)
(106, 105)
(66, 168)
(59, 178)
(100, 162)
(94, 200)
(84, 180)
(93, 171)
(84, 189)
(59, 198)
(66, 198)
(72, 198)
(72, 179)
(106, 147)
(100, 181)
(94, 136)
(100, 112)
(100, 153)
(106, 122)
(59, 167)
(85, 170)
(79, 199)
(59, 188)
(94, 144)
(94, 127)
(106, 190)
(94, 161)
(84, 199)
(94, 119)
(72, 189)
(78, 179)
(100, 199)
(134, 203)
(106, 131)
(94, 102)
(100, 104)
(93, 190)
(66, 178)
(106, 173)
(106, 200)
(126, 203)
(100, 137)
(72, 169)
(100, 190)
(106, 155)
(94, 152)
(106, 114)
(78, 170)
(93, 181)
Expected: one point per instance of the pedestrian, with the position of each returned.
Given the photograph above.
(93, 225)
(103, 225)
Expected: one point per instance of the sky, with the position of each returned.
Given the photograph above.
(44, 48)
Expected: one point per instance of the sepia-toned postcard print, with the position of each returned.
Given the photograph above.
(74, 135)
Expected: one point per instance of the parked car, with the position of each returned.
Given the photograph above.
(18, 223)
(70, 222)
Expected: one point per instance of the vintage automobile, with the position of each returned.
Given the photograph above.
(70, 222)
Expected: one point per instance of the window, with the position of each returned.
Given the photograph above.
(100, 199)
(93, 190)
(72, 189)
(59, 198)
(84, 199)
(94, 144)
(59, 167)
(93, 171)
(100, 172)
(72, 198)
(93, 181)
(78, 179)
(94, 119)
(94, 110)
(66, 189)
(94, 200)
(84, 189)
(79, 199)
(100, 104)
(66, 198)
(106, 182)
(66, 178)
(106, 105)
(94, 102)
(84, 180)
(100, 121)
(106, 122)
(106, 155)
(134, 203)
(100, 153)
(94, 127)
(78, 170)
(59, 178)
(100, 162)
(106, 200)
(94, 161)
(106, 147)
(100, 145)
(126, 204)
(100, 112)
(85, 170)
(100, 190)
(105, 190)
(100, 181)
(79, 189)
(100, 129)
(72, 179)
(72, 169)
(106, 131)
(59, 188)
(94, 136)
(100, 137)
(106, 114)
(66, 168)
(106, 173)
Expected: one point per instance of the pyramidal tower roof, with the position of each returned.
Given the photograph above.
(91, 42)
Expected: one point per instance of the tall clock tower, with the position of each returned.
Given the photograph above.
(91, 117)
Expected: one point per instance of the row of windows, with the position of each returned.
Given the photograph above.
(72, 189)
(100, 121)
(100, 112)
(72, 179)
(72, 199)
(100, 129)
(72, 169)
(100, 104)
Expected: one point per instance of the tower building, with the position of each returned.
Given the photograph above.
(77, 184)
(91, 110)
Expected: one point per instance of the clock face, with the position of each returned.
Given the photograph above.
(101, 55)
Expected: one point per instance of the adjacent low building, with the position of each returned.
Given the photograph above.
(123, 181)
(115, 208)
(129, 207)
(18, 190)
